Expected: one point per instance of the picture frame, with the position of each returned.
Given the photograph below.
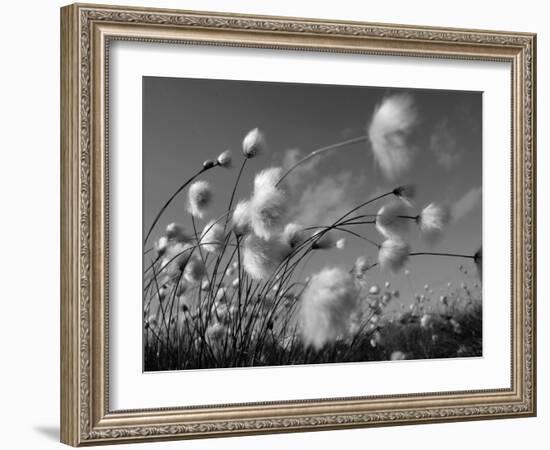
(87, 31)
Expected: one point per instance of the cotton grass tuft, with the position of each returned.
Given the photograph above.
(224, 159)
(254, 143)
(176, 232)
(393, 255)
(433, 220)
(199, 198)
(391, 124)
(327, 305)
(390, 220)
(261, 257)
(212, 237)
(269, 204)
(241, 218)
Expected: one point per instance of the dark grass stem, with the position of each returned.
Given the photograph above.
(320, 151)
(234, 191)
(171, 199)
(452, 255)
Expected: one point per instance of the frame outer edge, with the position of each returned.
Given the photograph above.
(69, 69)
(533, 230)
(79, 425)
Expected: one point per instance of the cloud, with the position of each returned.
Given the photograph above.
(389, 130)
(444, 145)
(466, 203)
(324, 201)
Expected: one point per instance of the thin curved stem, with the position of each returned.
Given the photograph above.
(372, 200)
(235, 190)
(357, 235)
(454, 255)
(172, 197)
(320, 151)
(361, 222)
(409, 217)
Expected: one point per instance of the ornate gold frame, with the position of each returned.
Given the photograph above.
(86, 31)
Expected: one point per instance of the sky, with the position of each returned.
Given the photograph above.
(186, 121)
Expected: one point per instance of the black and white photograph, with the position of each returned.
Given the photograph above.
(290, 224)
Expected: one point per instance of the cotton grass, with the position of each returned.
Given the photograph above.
(393, 255)
(212, 237)
(391, 124)
(327, 304)
(433, 220)
(324, 240)
(175, 258)
(361, 266)
(194, 270)
(391, 220)
(161, 245)
(254, 143)
(241, 217)
(176, 232)
(269, 204)
(261, 257)
(224, 159)
(199, 198)
(293, 234)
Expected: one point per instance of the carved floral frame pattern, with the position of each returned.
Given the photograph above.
(85, 416)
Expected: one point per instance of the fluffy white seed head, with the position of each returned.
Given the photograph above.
(393, 255)
(176, 232)
(175, 258)
(151, 322)
(433, 220)
(224, 159)
(361, 266)
(241, 217)
(220, 295)
(261, 257)
(194, 270)
(374, 289)
(388, 131)
(212, 237)
(327, 305)
(231, 270)
(398, 356)
(268, 213)
(254, 143)
(390, 220)
(161, 245)
(426, 321)
(267, 179)
(269, 204)
(293, 235)
(199, 198)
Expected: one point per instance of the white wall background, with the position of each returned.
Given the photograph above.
(29, 225)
